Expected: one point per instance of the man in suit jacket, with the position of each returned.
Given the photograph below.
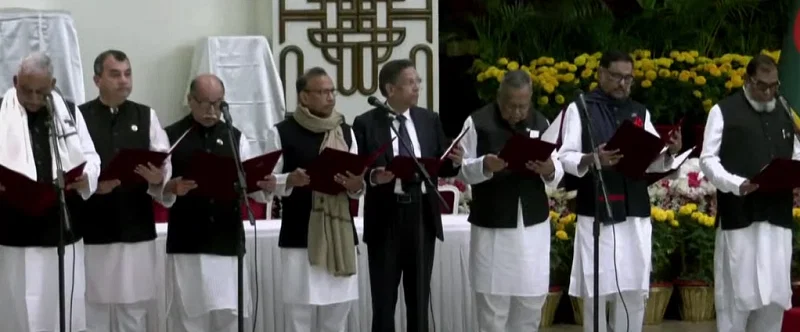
(401, 216)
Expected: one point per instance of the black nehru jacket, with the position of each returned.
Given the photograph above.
(750, 140)
(197, 224)
(19, 230)
(300, 148)
(627, 197)
(126, 213)
(495, 201)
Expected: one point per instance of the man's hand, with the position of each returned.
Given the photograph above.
(493, 163)
(149, 172)
(544, 168)
(105, 187)
(82, 182)
(381, 176)
(179, 187)
(675, 141)
(298, 178)
(747, 188)
(353, 183)
(456, 155)
(608, 157)
(268, 184)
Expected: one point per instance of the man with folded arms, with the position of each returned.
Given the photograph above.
(317, 239)
(205, 234)
(28, 257)
(625, 237)
(510, 234)
(753, 248)
(119, 226)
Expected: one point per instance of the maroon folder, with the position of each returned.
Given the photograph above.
(123, 164)
(216, 176)
(74, 174)
(31, 197)
(521, 149)
(779, 174)
(331, 162)
(404, 168)
(638, 147)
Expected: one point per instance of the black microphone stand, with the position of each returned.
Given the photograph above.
(415, 191)
(64, 224)
(600, 185)
(240, 187)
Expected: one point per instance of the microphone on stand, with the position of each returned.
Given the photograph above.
(790, 113)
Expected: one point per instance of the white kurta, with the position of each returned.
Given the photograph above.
(626, 247)
(29, 276)
(752, 264)
(506, 261)
(302, 282)
(124, 273)
(204, 282)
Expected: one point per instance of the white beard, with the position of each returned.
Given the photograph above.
(757, 105)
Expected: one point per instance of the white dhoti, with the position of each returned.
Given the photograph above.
(120, 282)
(315, 299)
(29, 288)
(510, 273)
(202, 293)
(625, 260)
(752, 286)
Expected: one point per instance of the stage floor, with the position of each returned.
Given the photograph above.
(667, 326)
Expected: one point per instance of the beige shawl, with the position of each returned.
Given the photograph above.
(330, 233)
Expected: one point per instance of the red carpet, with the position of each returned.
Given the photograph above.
(791, 320)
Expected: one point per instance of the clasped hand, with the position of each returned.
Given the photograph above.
(353, 183)
(179, 187)
(608, 157)
(544, 168)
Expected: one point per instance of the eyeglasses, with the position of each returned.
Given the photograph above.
(208, 104)
(619, 77)
(323, 92)
(764, 86)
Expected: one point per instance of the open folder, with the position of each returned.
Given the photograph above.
(122, 167)
(31, 197)
(779, 174)
(638, 147)
(403, 167)
(331, 162)
(521, 149)
(216, 176)
(677, 162)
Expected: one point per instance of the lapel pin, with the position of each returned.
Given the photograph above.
(219, 141)
(134, 128)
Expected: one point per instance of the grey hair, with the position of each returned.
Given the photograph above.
(36, 62)
(515, 79)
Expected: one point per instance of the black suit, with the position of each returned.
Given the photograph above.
(392, 229)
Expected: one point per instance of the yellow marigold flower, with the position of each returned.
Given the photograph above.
(651, 75)
(562, 235)
(638, 73)
(737, 81)
(707, 104)
(646, 84)
(653, 210)
(559, 99)
(481, 77)
(684, 76)
(586, 73)
(637, 64)
(729, 85)
(697, 94)
(670, 215)
(581, 59)
(553, 215)
(715, 72)
(560, 227)
(502, 61)
(532, 64)
(597, 55)
(696, 215)
(591, 64)
(500, 76)
(700, 80)
(569, 77)
(648, 64)
(661, 216)
(685, 210)
(710, 221)
(645, 53)
(576, 81)
(680, 58)
(543, 100)
(674, 223)
(572, 68)
(664, 62)
(592, 86)
(513, 65)
(674, 54)
(694, 53)
(674, 74)
(549, 87)
(663, 73)
(689, 59)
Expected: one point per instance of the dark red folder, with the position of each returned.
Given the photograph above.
(216, 176)
(123, 164)
(677, 162)
(73, 174)
(31, 197)
(521, 149)
(404, 168)
(779, 174)
(638, 147)
(331, 162)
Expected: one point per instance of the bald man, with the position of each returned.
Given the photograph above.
(204, 234)
(28, 256)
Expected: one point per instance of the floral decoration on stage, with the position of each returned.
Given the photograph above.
(668, 84)
(562, 226)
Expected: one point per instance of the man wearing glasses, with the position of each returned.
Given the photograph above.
(753, 249)
(205, 233)
(625, 245)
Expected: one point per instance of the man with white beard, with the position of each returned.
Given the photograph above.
(753, 248)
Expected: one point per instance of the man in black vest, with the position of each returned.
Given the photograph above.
(753, 248)
(317, 237)
(393, 231)
(204, 233)
(625, 237)
(118, 225)
(29, 235)
(510, 234)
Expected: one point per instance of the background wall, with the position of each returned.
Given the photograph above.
(159, 36)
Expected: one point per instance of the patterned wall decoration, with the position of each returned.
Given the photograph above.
(352, 39)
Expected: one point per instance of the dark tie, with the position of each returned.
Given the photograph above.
(403, 133)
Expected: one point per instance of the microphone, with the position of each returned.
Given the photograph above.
(226, 114)
(789, 112)
(378, 104)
